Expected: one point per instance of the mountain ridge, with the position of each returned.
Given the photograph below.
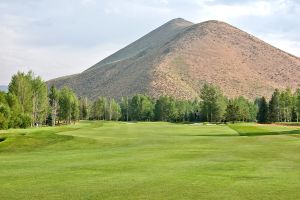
(172, 24)
(178, 57)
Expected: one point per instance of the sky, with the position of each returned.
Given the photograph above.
(62, 37)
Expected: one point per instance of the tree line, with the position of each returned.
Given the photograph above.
(284, 106)
(29, 102)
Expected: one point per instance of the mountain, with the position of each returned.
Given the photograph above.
(3, 88)
(177, 58)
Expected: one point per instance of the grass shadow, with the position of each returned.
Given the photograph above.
(260, 131)
(208, 135)
(292, 132)
(247, 131)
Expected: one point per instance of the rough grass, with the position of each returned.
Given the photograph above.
(106, 160)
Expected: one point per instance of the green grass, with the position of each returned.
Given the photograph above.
(262, 130)
(115, 160)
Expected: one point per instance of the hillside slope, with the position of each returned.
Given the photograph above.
(178, 57)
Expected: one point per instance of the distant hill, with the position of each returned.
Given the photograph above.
(177, 58)
(4, 88)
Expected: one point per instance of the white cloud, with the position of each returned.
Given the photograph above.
(87, 2)
(164, 1)
(112, 10)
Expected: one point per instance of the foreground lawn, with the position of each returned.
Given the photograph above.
(116, 160)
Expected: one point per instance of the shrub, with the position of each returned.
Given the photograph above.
(4, 116)
(25, 121)
(3, 122)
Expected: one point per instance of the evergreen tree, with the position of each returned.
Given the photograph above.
(262, 111)
(274, 107)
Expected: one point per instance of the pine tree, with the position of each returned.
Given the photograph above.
(274, 107)
(262, 111)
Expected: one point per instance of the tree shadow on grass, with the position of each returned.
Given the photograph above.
(258, 133)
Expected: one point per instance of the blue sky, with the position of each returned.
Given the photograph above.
(62, 37)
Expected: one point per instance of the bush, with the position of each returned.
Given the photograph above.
(25, 121)
(20, 121)
(4, 116)
(14, 122)
(3, 122)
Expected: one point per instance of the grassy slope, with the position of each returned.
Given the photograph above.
(150, 161)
